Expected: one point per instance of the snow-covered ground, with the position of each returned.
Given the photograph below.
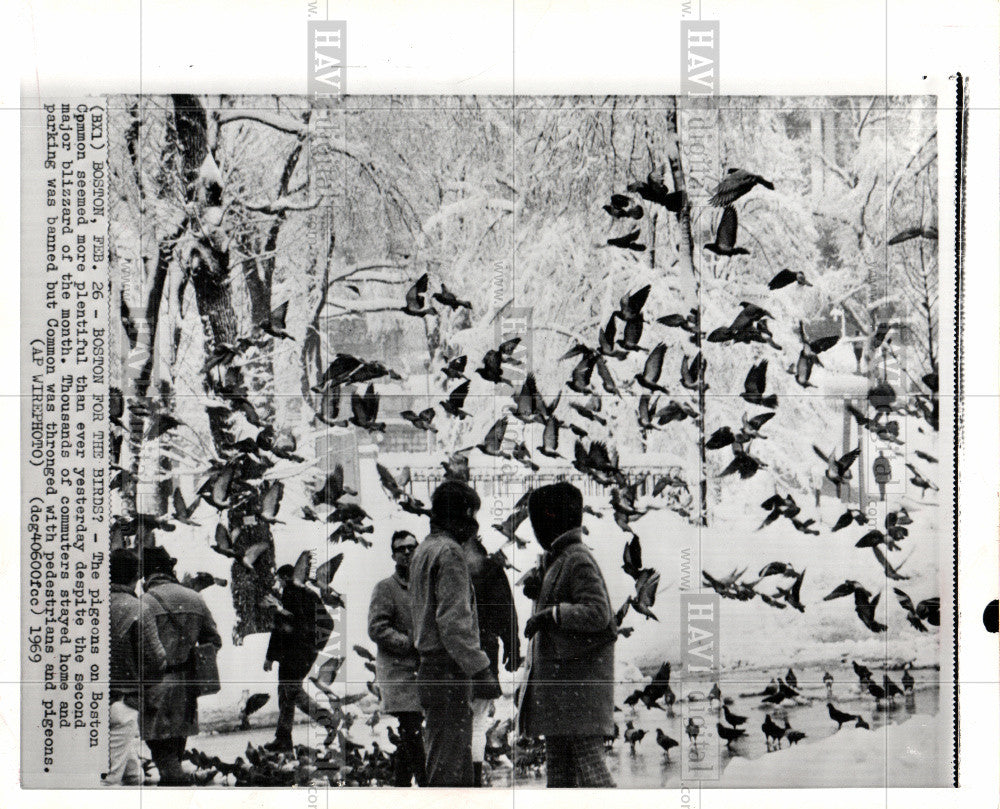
(897, 755)
(906, 745)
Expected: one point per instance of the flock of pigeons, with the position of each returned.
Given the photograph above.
(919, 615)
(732, 727)
(251, 446)
(341, 761)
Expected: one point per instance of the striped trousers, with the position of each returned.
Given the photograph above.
(576, 761)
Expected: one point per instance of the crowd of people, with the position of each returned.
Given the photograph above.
(441, 619)
(443, 624)
(153, 692)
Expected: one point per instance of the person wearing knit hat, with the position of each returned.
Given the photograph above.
(454, 505)
(453, 668)
(170, 707)
(134, 647)
(156, 559)
(569, 693)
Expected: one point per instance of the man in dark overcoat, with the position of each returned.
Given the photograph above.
(497, 625)
(301, 629)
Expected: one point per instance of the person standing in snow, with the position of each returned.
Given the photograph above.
(390, 626)
(170, 704)
(134, 643)
(453, 668)
(569, 694)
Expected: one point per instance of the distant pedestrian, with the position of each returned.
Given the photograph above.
(859, 348)
(171, 703)
(453, 667)
(134, 644)
(301, 630)
(882, 472)
(497, 625)
(569, 695)
(828, 683)
(390, 626)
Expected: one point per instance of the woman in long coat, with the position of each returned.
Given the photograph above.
(170, 705)
(569, 693)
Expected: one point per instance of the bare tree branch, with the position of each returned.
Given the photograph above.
(283, 205)
(464, 206)
(282, 123)
(850, 180)
(370, 305)
(363, 268)
(362, 311)
(864, 117)
(894, 185)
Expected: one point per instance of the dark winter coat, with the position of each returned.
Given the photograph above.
(297, 639)
(134, 643)
(494, 605)
(390, 626)
(570, 680)
(170, 707)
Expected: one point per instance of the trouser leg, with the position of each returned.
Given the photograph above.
(417, 753)
(589, 762)
(415, 747)
(291, 694)
(402, 775)
(156, 752)
(402, 772)
(166, 756)
(286, 710)
(311, 707)
(559, 770)
(446, 697)
(409, 760)
(124, 767)
(449, 746)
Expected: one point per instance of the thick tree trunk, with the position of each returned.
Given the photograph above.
(142, 357)
(208, 269)
(216, 308)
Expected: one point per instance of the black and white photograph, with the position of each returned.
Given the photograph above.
(522, 440)
(429, 425)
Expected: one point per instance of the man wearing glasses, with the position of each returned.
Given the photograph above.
(390, 626)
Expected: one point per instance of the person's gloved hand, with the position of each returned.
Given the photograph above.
(532, 582)
(512, 659)
(540, 620)
(485, 685)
